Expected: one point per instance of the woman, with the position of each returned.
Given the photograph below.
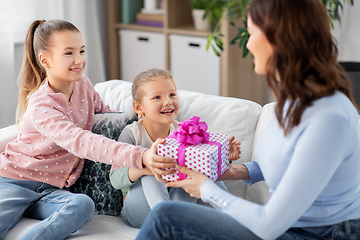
(308, 155)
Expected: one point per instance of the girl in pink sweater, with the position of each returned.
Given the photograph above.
(55, 110)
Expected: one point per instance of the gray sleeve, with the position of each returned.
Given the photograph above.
(127, 136)
(119, 177)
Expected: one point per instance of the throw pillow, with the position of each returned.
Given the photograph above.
(94, 180)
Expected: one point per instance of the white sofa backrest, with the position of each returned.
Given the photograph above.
(266, 116)
(232, 116)
(7, 134)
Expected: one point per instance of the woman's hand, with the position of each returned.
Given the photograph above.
(234, 149)
(191, 185)
(156, 163)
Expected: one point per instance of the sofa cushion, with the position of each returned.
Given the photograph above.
(101, 227)
(94, 180)
(7, 134)
(116, 94)
(259, 192)
(267, 114)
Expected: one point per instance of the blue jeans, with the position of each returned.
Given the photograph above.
(144, 195)
(180, 220)
(61, 211)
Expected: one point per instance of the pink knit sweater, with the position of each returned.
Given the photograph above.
(55, 136)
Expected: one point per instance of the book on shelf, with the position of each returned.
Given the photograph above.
(150, 23)
(152, 11)
(150, 17)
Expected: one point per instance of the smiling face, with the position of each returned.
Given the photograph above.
(259, 46)
(65, 61)
(159, 103)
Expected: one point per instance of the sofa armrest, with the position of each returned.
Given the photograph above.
(7, 134)
(259, 192)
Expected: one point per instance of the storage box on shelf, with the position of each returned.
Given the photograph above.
(140, 50)
(194, 68)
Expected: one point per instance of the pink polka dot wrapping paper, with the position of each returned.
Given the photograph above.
(203, 157)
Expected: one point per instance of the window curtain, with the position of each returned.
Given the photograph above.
(16, 16)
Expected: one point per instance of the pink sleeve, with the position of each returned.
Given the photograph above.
(49, 119)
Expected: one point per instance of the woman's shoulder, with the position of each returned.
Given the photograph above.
(333, 106)
(337, 103)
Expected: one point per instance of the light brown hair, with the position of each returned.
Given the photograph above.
(146, 76)
(38, 40)
(304, 64)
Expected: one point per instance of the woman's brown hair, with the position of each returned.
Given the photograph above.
(304, 64)
(38, 40)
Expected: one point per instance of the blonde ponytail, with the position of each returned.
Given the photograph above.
(32, 75)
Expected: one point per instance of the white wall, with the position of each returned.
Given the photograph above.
(8, 86)
(347, 33)
(16, 16)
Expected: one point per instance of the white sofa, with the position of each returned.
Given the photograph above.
(236, 117)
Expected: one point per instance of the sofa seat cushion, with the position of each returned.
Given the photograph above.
(100, 227)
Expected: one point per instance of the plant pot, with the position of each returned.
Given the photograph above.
(150, 4)
(200, 24)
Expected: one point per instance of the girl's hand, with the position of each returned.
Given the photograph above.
(191, 185)
(146, 171)
(134, 174)
(156, 163)
(234, 149)
(235, 172)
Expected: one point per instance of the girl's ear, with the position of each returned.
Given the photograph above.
(43, 61)
(138, 108)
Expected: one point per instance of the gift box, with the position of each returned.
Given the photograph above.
(196, 149)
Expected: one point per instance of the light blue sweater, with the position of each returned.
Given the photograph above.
(313, 172)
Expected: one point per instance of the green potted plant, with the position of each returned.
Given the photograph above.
(217, 10)
(199, 4)
(201, 22)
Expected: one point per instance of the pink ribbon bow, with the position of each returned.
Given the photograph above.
(192, 132)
